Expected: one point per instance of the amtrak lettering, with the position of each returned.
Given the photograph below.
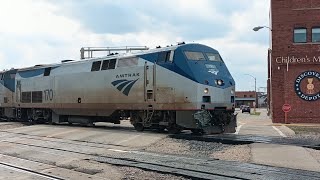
(298, 60)
(308, 90)
(127, 75)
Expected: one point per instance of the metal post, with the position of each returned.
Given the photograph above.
(255, 90)
(286, 118)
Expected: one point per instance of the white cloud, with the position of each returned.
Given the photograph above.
(35, 32)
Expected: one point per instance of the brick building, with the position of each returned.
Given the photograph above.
(294, 60)
(245, 98)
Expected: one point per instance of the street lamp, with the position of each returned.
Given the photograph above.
(270, 69)
(261, 27)
(255, 90)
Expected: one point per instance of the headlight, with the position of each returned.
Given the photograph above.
(206, 90)
(219, 82)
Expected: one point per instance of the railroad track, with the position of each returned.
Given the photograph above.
(35, 174)
(248, 139)
(171, 164)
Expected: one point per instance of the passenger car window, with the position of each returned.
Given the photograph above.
(197, 56)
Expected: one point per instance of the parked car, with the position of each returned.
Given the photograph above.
(245, 109)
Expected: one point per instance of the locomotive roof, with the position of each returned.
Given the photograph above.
(122, 55)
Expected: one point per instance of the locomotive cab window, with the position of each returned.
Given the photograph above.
(196, 56)
(213, 57)
(164, 57)
(96, 66)
(47, 71)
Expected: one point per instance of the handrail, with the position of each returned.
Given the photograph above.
(90, 50)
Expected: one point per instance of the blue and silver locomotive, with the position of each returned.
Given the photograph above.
(187, 86)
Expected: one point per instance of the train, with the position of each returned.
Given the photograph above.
(179, 87)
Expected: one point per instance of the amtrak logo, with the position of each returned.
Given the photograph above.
(212, 69)
(124, 85)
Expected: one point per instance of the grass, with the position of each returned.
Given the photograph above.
(305, 129)
(255, 113)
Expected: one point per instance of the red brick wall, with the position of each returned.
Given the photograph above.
(245, 94)
(287, 14)
(241, 94)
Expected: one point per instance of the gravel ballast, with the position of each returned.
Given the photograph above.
(201, 149)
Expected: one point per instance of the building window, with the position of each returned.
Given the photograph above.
(245, 96)
(316, 34)
(300, 35)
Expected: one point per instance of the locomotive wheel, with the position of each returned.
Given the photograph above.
(197, 132)
(161, 129)
(174, 129)
(138, 126)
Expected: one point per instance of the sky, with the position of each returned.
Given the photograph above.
(48, 31)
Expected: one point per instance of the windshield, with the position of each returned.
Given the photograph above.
(197, 56)
(213, 57)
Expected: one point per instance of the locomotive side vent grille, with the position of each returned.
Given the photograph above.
(96, 66)
(37, 97)
(26, 97)
(109, 64)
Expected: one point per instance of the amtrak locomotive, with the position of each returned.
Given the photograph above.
(186, 86)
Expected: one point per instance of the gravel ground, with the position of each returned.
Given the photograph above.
(307, 133)
(310, 130)
(114, 172)
(10, 125)
(241, 153)
(202, 149)
(130, 173)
